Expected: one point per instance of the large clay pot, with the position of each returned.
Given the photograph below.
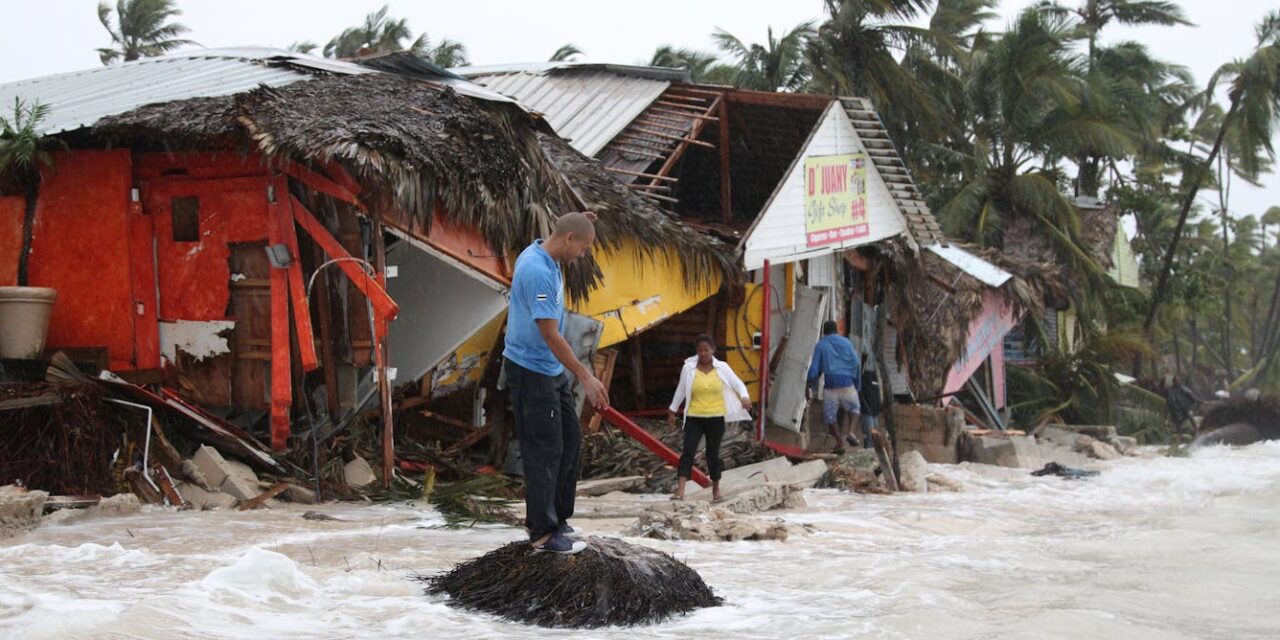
(24, 320)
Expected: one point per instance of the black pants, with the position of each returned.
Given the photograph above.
(550, 446)
(694, 429)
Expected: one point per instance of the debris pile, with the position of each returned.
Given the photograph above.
(611, 583)
(609, 453)
(705, 523)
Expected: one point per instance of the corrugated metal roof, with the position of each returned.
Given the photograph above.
(984, 271)
(586, 107)
(82, 98)
(670, 74)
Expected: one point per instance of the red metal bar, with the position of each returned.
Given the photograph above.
(764, 353)
(651, 443)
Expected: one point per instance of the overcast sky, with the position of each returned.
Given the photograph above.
(54, 36)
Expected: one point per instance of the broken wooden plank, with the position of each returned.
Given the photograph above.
(54, 503)
(465, 443)
(165, 482)
(262, 498)
(368, 285)
(27, 403)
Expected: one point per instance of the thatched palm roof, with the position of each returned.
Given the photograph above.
(624, 214)
(414, 144)
(933, 323)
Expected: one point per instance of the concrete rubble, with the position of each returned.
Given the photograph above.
(706, 523)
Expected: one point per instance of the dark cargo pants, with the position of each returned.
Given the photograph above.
(550, 445)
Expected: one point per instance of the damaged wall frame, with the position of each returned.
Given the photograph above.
(443, 302)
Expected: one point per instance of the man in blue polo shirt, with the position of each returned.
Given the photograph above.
(837, 363)
(541, 393)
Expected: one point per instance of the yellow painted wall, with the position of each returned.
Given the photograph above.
(638, 292)
(740, 323)
(470, 359)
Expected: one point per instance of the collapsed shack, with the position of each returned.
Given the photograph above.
(611, 583)
(86, 437)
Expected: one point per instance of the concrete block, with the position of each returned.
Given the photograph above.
(19, 508)
(935, 453)
(300, 494)
(203, 499)
(1005, 451)
(358, 473)
(211, 466)
(1125, 445)
(121, 504)
(914, 472)
(1104, 432)
(608, 485)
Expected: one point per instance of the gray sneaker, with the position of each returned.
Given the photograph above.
(562, 545)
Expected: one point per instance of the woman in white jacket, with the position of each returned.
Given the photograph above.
(713, 395)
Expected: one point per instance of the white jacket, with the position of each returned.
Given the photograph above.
(734, 389)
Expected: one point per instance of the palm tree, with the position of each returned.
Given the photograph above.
(382, 34)
(1022, 94)
(378, 34)
(142, 29)
(1255, 112)
(854, 53)
(566, 53)
(448, 53)
(303, 46)
(22, 155)
(1269, 219)
(702, 66)
(776, 65)
(1094, 15)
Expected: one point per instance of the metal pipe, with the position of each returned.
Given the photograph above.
(146, 447)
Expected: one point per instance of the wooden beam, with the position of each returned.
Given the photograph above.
(466, 442)
(317, 182)
(682, 114)
(679, 150)
(298, 295)
(262, 498)
(327, 359)
(281, 369)
(640, 174)
(664, 136)
(383, 305)
(677, 106)
(772, 99)
(340, 175)
(655, 196)
(381, 353)
(726, 189)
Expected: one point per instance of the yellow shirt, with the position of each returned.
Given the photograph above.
(707, 398)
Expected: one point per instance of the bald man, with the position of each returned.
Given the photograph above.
(537, 356)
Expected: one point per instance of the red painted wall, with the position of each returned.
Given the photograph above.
(12, 209)
(195, 276)
(80, 247)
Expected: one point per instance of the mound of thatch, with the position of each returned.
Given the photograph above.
(611, 583)
(1263, 414)
(62, 443)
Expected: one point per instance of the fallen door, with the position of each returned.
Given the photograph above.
(786, 393)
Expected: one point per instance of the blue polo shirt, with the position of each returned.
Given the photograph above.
(537, 292)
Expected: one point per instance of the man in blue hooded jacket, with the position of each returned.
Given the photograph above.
(836, 362)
